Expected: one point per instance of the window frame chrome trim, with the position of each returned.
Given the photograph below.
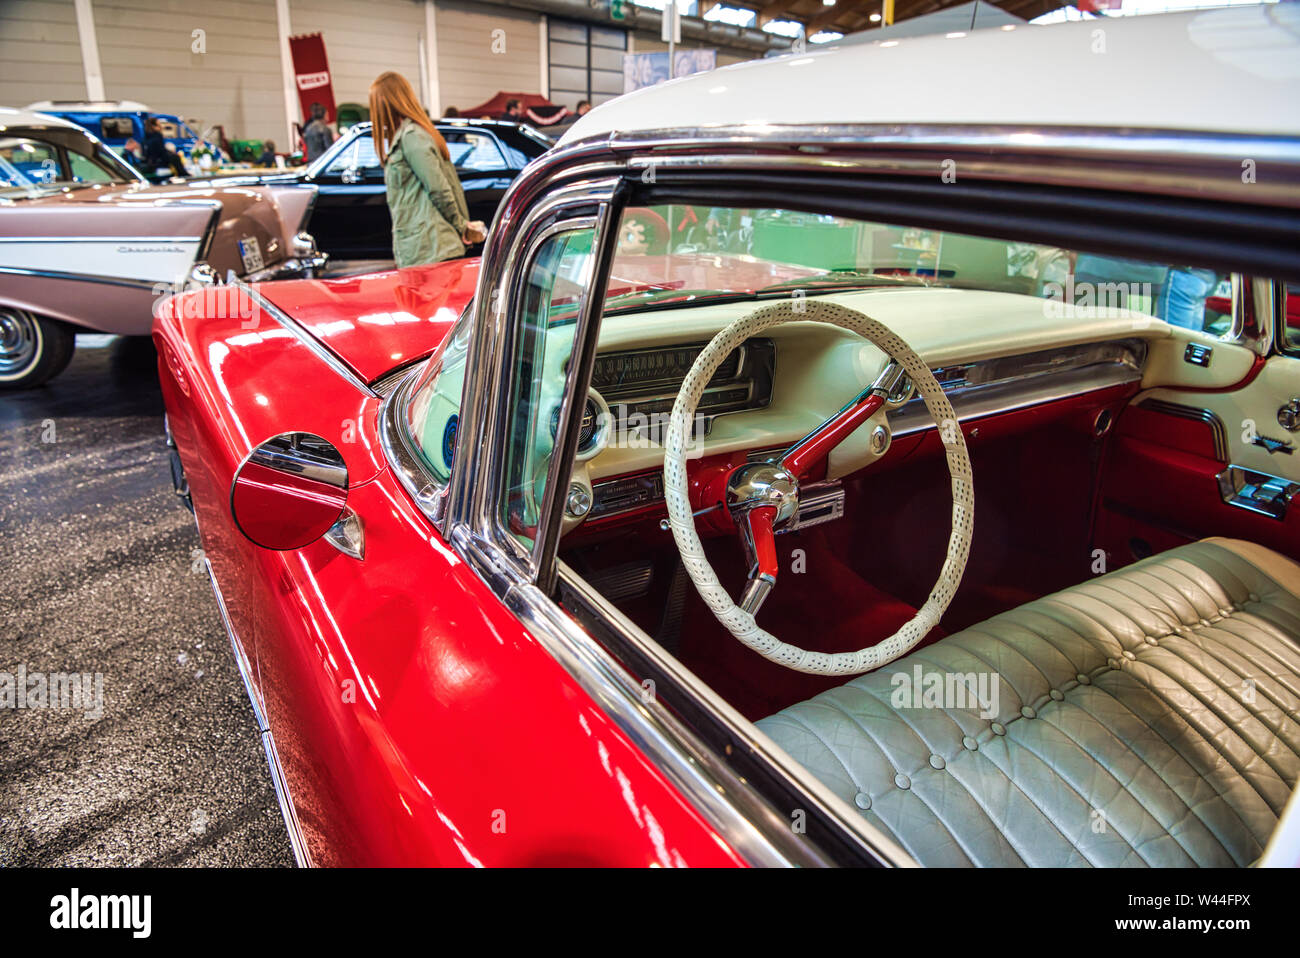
(472, 501)
(1171, 162)
(585, 336)
(429, 494)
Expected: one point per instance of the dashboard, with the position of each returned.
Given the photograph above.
(991, 352)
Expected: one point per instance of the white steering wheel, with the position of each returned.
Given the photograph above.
(761, 497)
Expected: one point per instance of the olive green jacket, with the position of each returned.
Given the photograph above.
(425, 199)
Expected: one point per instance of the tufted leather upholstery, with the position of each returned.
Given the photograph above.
(1147, 717)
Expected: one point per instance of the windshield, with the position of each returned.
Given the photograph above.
(676, 256)
(685, 266)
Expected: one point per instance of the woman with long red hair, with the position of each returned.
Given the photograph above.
(430, 218)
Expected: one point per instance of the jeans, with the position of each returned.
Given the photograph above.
(1181, 301)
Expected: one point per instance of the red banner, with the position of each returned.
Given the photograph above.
(1096, 6)
(312, 75)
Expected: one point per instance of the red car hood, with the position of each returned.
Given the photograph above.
(381, 320)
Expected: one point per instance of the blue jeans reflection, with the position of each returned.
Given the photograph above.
(1182, 297)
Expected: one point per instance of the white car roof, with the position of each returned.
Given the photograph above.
(90, 106)
(1230, 70)
(10, 117)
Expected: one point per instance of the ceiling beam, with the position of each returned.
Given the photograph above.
(840, 12)
(780, 10)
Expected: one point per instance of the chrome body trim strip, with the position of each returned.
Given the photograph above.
(144, 284)
(321, 351)
(1196, 413)
(103, 239)
(301, 854)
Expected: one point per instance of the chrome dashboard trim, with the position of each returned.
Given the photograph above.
(1007, 395)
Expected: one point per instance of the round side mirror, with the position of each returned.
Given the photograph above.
(289, 491)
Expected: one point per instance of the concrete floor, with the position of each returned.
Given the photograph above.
(97, 561)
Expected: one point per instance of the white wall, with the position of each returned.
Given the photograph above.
(472, 66)
(40, 53)
(146, 51)
(363, 38)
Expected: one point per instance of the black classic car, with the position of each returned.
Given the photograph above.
(350, 219)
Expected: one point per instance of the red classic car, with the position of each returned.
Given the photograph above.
(918, 510)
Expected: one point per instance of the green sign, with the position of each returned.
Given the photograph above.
(618, 9)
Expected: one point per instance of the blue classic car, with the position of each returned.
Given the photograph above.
(116, 121)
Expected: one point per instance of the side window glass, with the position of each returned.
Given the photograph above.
(474, 152)
(365, 157)
(552, 295)
(346, 160)
(1186, 296)
(116, 128)
(35, 160)
(86, 170)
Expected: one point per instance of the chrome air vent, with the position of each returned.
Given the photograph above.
(593, 433)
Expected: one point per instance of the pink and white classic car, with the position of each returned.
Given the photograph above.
(87, 244)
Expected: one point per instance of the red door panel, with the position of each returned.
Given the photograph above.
(1159, 490)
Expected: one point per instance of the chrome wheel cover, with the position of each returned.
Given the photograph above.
(20, 342)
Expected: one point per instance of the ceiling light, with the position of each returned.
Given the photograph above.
(874, 18)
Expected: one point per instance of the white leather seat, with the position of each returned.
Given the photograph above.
(1148, 717)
